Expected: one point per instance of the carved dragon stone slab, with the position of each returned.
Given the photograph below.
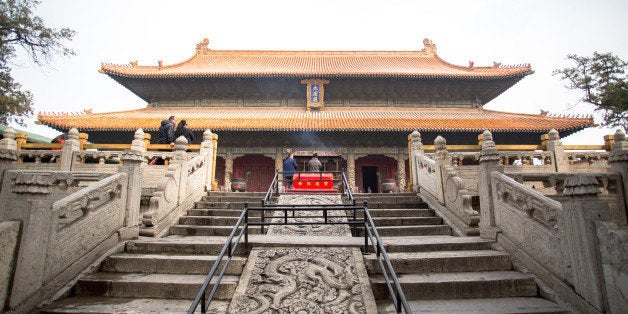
(304, 280)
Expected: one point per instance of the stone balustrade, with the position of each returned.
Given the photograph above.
(563, 221)
(58, 222)
(77, 212)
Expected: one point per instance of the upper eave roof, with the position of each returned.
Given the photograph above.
(332, 119)
(266, 63)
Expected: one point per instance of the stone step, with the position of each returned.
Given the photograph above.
(169, 264)
(128, 305)
(435, 243)
(409, 205)
(179, 245)
(406, 221)
(410, 230)
(391, 198)
(223, 205)
(247, 194)
(233, 198)
(521, 305)
(192, 230)
(218, 212)
(384, 194)
(216, 220)
(490, 284)
(212, 245)
(167, 286)
(442, 261)
(396, 212)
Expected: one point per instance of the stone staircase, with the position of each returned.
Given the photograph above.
(165, 274)
(443, 273)
(439, 272)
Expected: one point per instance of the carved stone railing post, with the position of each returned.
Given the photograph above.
(279, 167)
(579, 238)
(228, 170)
(213, 176)
(181, 159)
(8, 148)
(415, 149)
(401, 172)
(70, 146)
(207, 148)
(442, 160)
(489, 162)
(555, 146)
(132, 164)
(36, 219)
(618, 159)
(351, 168)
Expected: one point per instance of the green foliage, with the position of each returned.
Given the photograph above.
(603, 80)
(18, 27)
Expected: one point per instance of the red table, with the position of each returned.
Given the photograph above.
(312, 182)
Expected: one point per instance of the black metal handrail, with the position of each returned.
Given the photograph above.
(370, 233)
(271, 189)
(229, 249)
(396, 292)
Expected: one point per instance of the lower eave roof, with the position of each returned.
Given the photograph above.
(331, 119)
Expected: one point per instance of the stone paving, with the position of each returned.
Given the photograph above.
(306, 279)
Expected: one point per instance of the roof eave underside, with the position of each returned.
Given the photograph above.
(318, 75)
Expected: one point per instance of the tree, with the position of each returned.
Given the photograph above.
(603, 80)
(19, 27)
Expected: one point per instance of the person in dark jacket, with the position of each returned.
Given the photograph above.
(165, 135)
(314, 164)
(289, 167)
(182, 130)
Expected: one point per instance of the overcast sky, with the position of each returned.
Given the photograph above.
(541, 33)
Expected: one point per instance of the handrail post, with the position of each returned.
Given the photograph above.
(325, 215)
(354, 219)
(246, 227)
(262, 225)
(398, 307)
(366, 239)
(203, 304)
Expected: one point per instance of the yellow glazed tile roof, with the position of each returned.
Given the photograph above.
(267, 63)
(332, 119)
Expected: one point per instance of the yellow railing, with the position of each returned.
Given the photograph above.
(513, 147)
(22, 144)
(83, 144)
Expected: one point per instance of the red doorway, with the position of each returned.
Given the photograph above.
(257, 171)
(220, 171)
(371, 170)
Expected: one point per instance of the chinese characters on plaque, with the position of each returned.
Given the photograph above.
(315, 93)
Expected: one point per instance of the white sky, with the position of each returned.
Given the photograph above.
(540, 32)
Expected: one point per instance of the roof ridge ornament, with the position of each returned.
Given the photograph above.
(202, 48)
(429, 46)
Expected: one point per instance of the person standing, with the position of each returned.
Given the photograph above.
(314, 164)
(182, 130)
(289, 167)
(165, 135)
